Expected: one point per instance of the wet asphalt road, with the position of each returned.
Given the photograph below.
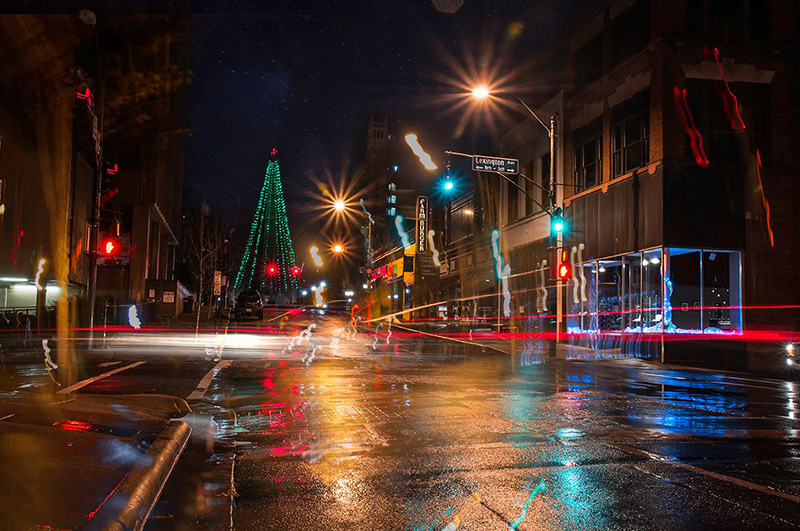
(420, 432)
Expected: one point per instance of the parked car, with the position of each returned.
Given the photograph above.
(248, 303)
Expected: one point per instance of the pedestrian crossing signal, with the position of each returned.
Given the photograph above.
(110, 247)
(564, 271)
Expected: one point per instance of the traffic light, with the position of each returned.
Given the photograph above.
(557, 224)
(564, 271)
(110, 246)
(296, 271)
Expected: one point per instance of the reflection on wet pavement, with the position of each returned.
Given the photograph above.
(427, 434)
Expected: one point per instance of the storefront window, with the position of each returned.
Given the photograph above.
(721, 291)
(700, 294)
(582, 298)
(684, 273)
(652, 312)
(632, 316)
(704, 291)
(609, 294)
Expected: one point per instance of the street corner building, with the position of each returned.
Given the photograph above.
(91, 166)
(675, 166)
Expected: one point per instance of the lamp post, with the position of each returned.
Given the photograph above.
(482, 93)
(340, 207)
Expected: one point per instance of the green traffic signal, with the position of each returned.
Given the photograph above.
(557, 224)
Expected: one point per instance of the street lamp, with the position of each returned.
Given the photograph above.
(481, 93)
(339, 205)
(338, 248)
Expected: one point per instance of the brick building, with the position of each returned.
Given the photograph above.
(677, 144)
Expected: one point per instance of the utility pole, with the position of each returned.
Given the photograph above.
(88, 17)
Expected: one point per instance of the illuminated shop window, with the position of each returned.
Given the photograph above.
(704, 291)
(630, 294)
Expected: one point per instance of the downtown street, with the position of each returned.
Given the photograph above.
(441, 265)
(408, 431)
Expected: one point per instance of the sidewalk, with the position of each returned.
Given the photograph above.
(86, 461)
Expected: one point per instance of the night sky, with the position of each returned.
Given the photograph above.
(305, 79)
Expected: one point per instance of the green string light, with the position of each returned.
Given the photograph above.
(269, 241)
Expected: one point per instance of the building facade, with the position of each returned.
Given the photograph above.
(52, 141)
(678, 181)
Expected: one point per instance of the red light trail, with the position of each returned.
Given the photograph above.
(695, 138)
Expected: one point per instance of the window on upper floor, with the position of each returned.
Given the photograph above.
(588, 61)
(722, 144)
(545, 173)
(512, 205)
(630, 142)
(462, 218)
(531, 190)
(728, 21)
(630, 31)
(588, 142)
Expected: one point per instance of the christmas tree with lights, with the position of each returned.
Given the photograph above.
(268, 261)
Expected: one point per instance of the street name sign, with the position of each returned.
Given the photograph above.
(484, 163)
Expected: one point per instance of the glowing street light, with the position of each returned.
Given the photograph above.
(338, 248)
(481, 92)
(339, 205)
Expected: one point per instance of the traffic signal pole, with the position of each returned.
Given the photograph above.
(560, 235)
(553, 193)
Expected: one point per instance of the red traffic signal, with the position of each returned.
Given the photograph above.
(564, 271)
(296, 271)
(272, 269)
(110, 247)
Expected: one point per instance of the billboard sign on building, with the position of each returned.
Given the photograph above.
(422, 224)
(379, 272)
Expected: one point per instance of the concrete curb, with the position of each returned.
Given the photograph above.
(129, 505)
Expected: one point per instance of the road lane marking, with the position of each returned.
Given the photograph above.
(84, 383)
(232, 491)
(109, 364)
(280, 315)
(704, 472)
(451, 338)
(202, 386)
